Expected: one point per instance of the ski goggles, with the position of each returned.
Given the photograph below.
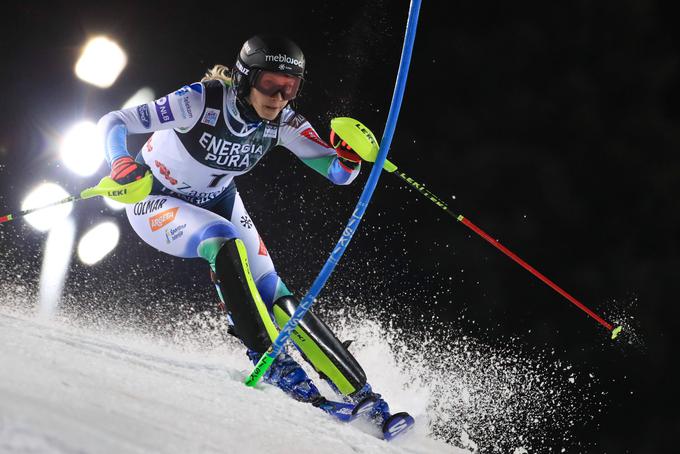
(270, 83)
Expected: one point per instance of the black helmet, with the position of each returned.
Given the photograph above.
(269, 53)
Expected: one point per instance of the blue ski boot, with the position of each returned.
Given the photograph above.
(288, 375)
(381, 411)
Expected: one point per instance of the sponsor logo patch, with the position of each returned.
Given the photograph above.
(165, 172)
(283, 58)
(271, 131)
(174, 233)
(185, 108)
(149, 206)
(160, 220)
(163, 110)
(210, 116)
(297, 121)
(234, 155)
(144, 115)
(242, 68)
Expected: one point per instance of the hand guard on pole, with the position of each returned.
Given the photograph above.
(346, 155)
(360, 138)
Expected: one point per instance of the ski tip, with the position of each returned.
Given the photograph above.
(616, 331)
(397, 424)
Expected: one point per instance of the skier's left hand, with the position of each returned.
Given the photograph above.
(346, 155)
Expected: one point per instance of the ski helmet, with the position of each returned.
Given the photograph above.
(266, 53)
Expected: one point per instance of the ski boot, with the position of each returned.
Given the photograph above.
(289, 376)
(380, 411)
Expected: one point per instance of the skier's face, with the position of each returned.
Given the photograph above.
(267, 107)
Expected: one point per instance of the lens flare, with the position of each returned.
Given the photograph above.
(43, 195)
(56, 259)
(81, 150)
(142, 96)
(98, 242)
(113, 204)
(101, 62)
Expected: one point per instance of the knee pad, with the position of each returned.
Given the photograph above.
(252, 322)
(329, 357)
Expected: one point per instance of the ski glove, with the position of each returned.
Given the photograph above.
(347, 157)
(125, 170)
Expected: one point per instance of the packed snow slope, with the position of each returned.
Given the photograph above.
(66, 389)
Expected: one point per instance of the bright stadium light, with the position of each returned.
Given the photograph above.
(113, 204)
(142, 96)
(44, 194)
(98, 242)
(81, 150)
(56, 259)
(101, 62)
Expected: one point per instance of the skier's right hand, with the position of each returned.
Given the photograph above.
(346, 155)
(125, 170)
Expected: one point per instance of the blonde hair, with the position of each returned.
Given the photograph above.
(218, 72)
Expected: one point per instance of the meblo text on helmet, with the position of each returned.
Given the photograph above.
(284, 59)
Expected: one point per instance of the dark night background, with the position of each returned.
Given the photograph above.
(554, 124)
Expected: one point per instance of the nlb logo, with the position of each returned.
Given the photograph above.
(162, 219)
(163, 110)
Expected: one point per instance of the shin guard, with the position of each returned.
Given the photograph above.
(321, 348)
(252, 322)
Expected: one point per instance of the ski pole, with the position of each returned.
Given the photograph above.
(125, 193)
(270, 355)
(21, 214)
(465, 221)
(354, 132)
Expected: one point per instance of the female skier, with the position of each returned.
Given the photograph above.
(204, 135)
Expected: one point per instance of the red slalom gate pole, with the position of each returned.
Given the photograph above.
(437, 201)
(534, 271)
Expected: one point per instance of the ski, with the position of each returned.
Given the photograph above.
(397, 424)
(394, 426)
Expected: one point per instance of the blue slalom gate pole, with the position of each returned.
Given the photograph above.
(268, 358)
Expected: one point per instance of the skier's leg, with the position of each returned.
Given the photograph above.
(233, 272)
(327, 355)
(178, 228)
(322, 348)
(315, 340)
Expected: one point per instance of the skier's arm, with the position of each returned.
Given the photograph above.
(178, 110)
(297, 135)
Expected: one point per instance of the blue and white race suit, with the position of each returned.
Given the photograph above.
(200, 142)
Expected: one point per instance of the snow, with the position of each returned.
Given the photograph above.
(68, 389)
